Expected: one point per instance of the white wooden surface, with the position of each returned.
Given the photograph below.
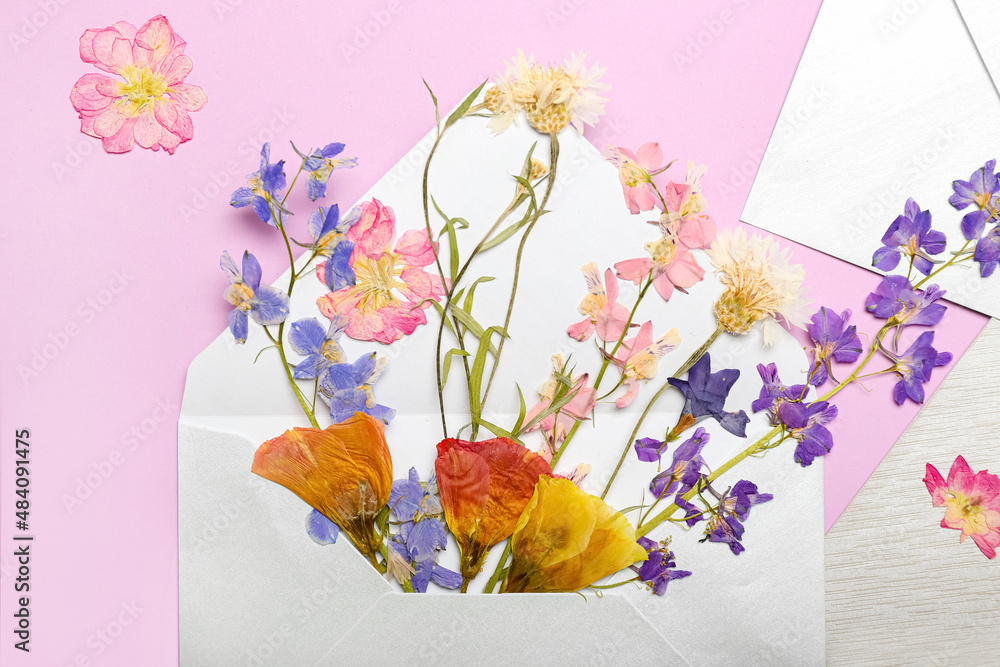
(900, 590)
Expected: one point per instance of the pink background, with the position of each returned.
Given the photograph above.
(705, 79)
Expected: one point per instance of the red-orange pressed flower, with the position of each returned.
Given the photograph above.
(484, 487)
(344, 471)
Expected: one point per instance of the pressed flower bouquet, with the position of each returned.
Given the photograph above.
(633, 426)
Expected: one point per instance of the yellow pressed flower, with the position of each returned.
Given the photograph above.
(566, 539)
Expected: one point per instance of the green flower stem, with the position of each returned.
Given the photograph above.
(437, 261)
(553, 164)
(692, 360)
(763, 443)
(954, 259)
(498, 572)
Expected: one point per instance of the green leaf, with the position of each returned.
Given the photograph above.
(478, 367)
(522, 411)
(526, 167)
(557, 403)
(440, 310)
(467, 320)
(499, 432)
(437, 114)
(472, 292)
(511, 229)
(447, 363)
(298, 152)
(464, 106)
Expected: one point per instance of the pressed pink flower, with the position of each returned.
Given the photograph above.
(639, 357)
(150, 105)
(671, 261)
(604, 314)
(634, 173)
(389, 296)
(971, 502)
(557, 425)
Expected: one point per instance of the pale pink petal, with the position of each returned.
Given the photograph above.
(87, 125)
(179, 68)
(582, 403)
(582, 330)
(644, 338)
(165, 111)
(109, 122)
(85, 95)
(415, 248)
(649, 156)
(109, 87)
(684, 270)
(157, 36)
(611, 322)
(373, 233)
(123, 141)
(663, 286)
(535, 411)
(112, 52)
(420, 285)
(610, 286)
(961, 477)
(182, 127)
(697, 231)
(643, 196)
(147, 131)
(125, 29)
(633, 390)
(634, 269)
(936, 486)
(142, 56)
(87, 46)
(169, 141)
(676, 195)
(988, 544)
(189, 96)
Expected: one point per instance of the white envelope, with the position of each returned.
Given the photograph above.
(256, 590)
(890, 101)
(981, 18)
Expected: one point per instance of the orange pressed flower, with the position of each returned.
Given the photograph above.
(344, 471)
(484, 486)
(566, 539)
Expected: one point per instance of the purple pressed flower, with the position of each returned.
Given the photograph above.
(659, 568)
(649, 449)
(321, 529)
(320, 349)
(806, 423)
(419, 511)
(685, 469)
(910, 234)
(973, 224)
(726, 526)
(692, 514)
(321, 164)
(914, 367)
(347, 388)
(265, 304)
(978, 190)
(773, 393)
(834, 340)
(744, 496)
(327, 228)
(705, 395)
(264, 185)
(727, 529)
(896, 300)
(429, 570)
(988, 252)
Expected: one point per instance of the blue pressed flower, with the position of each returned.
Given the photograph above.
(978, 190)
(347, 388)
(419, 511)
(321, 529)
(914, 367)
(265, 304)
(327, 228)
(896, 300)
(726, 526)
(773, 392)
(321, 164)
(834, 340)
(659, 568)
(806, 423)
(910, 234)
(684, 470)
(264, 185)
(319, 347)
(988, 252)
(705, 395)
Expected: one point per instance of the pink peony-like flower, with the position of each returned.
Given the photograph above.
(150, 105)
(634, 173)
(557, 425)
(389, 296)
(604, 314)
(639, 357)
(971, 502)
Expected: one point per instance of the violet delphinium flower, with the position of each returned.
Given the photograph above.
(321, 529)
(914, 367)
(726, 526)
(265, 304)
(978, 190)
(705, 395)
(264, 185)
(347, 388)
(321, 164)
(988, 252)
(896, 300)
(422, 533)
(910, 234)
(648, 449)
(806, 422)
(773, 392)
(659, 569)
(320, 349)
(685, 469)
(834, 340)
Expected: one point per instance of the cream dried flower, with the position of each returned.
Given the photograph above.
(552, 97)
(760, 284)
